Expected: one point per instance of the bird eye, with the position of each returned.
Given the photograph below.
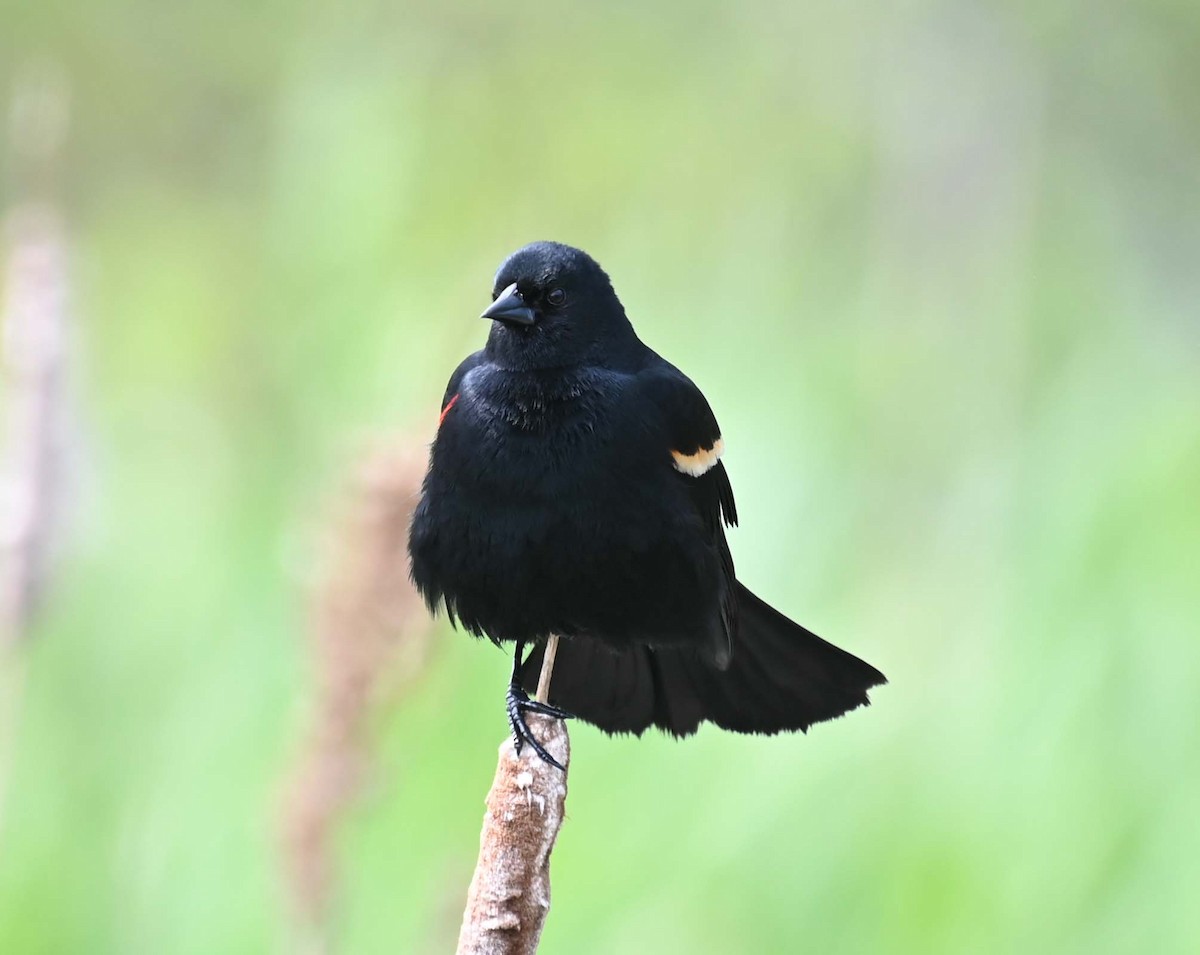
(556, 297)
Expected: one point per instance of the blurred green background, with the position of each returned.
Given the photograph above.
(936, 266)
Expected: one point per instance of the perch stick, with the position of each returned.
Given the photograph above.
(543, 687)
(509, 895)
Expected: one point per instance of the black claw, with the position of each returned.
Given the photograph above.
(536, 706)
(518, 704)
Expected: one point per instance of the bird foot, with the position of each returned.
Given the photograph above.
(518, 704)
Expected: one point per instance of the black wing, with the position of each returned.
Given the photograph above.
(694, 451)
(695, 439)
(456, 379)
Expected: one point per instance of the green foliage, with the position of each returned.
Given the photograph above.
(935, 267)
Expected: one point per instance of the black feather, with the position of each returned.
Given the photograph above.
(573, 489)
(781, 677)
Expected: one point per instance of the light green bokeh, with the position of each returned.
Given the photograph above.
(935, 266)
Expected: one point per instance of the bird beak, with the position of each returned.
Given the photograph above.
(510, 308)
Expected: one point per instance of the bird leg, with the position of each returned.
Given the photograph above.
(519, 703)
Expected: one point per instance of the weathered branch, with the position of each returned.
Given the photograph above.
(509, 895)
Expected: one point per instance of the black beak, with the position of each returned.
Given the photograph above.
(510, 308)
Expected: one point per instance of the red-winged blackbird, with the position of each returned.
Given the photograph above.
(575, 487)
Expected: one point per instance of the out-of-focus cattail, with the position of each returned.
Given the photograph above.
(35, 349)
(34, 382)
(370, 638)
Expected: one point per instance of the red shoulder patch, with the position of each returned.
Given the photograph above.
(445, 411)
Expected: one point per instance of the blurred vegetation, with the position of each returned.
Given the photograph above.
(935, 266)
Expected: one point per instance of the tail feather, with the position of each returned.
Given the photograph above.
(613, 690)
(781, 677)
(796, 678)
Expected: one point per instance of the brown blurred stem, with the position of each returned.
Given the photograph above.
(509, 896)
(34, 318)
(370, 640)
(35, 352)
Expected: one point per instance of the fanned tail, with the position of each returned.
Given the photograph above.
(782, 677)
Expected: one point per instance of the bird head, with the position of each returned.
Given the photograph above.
(553, 306)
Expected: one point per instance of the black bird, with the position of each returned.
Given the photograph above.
(575, 487)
